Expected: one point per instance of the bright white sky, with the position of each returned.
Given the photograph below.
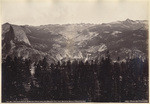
(58, 12)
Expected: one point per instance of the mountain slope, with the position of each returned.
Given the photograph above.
(77, 41)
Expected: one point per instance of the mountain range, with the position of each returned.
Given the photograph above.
(84, 41)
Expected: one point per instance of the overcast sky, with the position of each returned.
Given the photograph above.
(41, 13)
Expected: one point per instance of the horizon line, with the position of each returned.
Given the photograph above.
(74, 23)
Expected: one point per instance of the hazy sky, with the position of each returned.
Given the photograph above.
(40, 13)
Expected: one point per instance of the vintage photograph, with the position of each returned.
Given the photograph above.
(74, 51)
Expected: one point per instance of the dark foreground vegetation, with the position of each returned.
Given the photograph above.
(93, 81)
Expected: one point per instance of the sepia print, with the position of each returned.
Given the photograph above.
(74, 51)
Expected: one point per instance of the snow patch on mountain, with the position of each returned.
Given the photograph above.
(56, 46)
(59, 57)
(102, 48)
(106, 32)
(79, 55)
(115, 33)
(121, 40)
(81, 38)
(126, 50)
(94, 49)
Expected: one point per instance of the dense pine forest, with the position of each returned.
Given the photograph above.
(91, 81)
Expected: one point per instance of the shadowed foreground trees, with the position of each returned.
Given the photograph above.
(15, 76)
(91, 81)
